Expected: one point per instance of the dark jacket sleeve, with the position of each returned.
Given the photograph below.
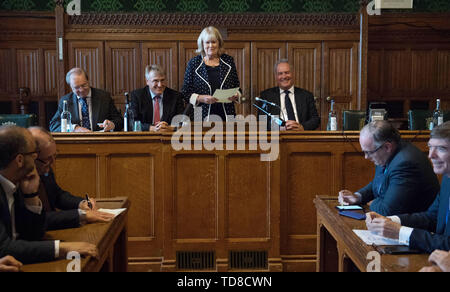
(188, 84)
(314, 120)
(28, 248)
(366, 193)
(114, 115)
(424, 220)
(63, 219)
(429, 242)
(59, 198)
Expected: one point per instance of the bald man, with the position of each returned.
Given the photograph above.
(75, 211)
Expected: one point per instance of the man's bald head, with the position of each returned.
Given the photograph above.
(47, 149)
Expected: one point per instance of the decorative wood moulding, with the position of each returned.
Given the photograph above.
(177, 20)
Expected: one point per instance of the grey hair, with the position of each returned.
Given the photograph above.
(281, 61)
(154, 68)
(76, 71)
(382, 131)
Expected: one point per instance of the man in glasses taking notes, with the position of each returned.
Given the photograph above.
(404, 180)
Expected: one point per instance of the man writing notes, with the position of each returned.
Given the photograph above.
(155, 105)
(92, 109)
(297, 105)
(427, 231)
(22, 219)
(74, 210)
(404, 180)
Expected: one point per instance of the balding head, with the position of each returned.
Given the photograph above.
(47, 149)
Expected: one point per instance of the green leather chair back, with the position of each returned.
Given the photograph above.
(24, 121)
(419, 119)
(353, 120)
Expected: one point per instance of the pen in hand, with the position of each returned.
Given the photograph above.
(88, 202)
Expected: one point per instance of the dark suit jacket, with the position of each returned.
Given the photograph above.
(31, 228)
(57, 198)
(142, 106)
(304, 100)
(430, 231)
(409, 184)
(103, 108)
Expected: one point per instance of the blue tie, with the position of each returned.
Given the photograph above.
(448, 212)
(85, 122)
(289, 107)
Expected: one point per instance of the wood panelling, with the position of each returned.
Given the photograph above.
(306, 59)
(443, 71)
(264, 58)
(165, 54)
(195, 197)
(28, 70)
(216, 200)
(248, 198)
(340, 78)
(6, 66)
(423, 70)
(50, 63)
(186, 52)
(89, 55)
(123, 64)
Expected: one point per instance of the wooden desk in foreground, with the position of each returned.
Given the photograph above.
(340, 249)
(110, 238)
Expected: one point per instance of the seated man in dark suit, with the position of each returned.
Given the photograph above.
(155, 105)
(88, 106)
(404, 180)
(75, 211)
(430, 230)
(22, 220)
(297, 105)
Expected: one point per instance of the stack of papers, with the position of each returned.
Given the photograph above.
(370, 238)
(115, 212)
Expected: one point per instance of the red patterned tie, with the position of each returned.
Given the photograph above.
(156, 111)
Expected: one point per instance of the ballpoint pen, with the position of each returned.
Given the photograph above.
(88, 201)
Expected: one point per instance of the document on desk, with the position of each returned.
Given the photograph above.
(370, 238)
(115, 212)
(223, 95)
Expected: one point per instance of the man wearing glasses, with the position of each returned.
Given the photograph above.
(404, 180)
(92, 109)
(74, 210)
(427, 231)
(22, 219)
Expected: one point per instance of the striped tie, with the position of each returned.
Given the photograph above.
(85, 122)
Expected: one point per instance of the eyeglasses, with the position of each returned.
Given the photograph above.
(47, 160)
(368, 153)
(84, 86)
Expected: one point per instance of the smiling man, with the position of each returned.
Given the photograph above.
(155, 105)
(429, 230)
(404, 181)
(297, 105)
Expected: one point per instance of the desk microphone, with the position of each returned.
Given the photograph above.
(265, 101)
(278, 121)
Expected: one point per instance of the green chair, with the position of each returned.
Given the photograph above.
(353, 120)
(24, 121)
(419, 119)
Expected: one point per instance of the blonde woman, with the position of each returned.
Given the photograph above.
(212, 69)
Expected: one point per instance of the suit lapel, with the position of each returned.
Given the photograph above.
(167, 106)
(5, 215)
(96, 107)
(75, 111)
(299, 104)
(147, 104)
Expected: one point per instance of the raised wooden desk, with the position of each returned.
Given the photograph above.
(340, 249)
(217, 201)
(110, 238)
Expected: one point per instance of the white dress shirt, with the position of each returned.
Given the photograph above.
(284, 114)
(10, 189)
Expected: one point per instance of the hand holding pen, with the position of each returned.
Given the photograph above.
(88, 204)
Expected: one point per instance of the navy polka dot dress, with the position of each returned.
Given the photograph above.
(196, 81)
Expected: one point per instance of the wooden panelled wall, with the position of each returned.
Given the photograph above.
(323, 49)
(409, 61)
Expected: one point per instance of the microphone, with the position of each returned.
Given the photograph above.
(265, 101)
(272, 104)
(279, 121)
(127, 98)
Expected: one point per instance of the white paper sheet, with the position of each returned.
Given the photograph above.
(115, 212)
(370, 238)
(223, 94)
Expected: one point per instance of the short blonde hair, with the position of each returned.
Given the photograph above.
(210, 33)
